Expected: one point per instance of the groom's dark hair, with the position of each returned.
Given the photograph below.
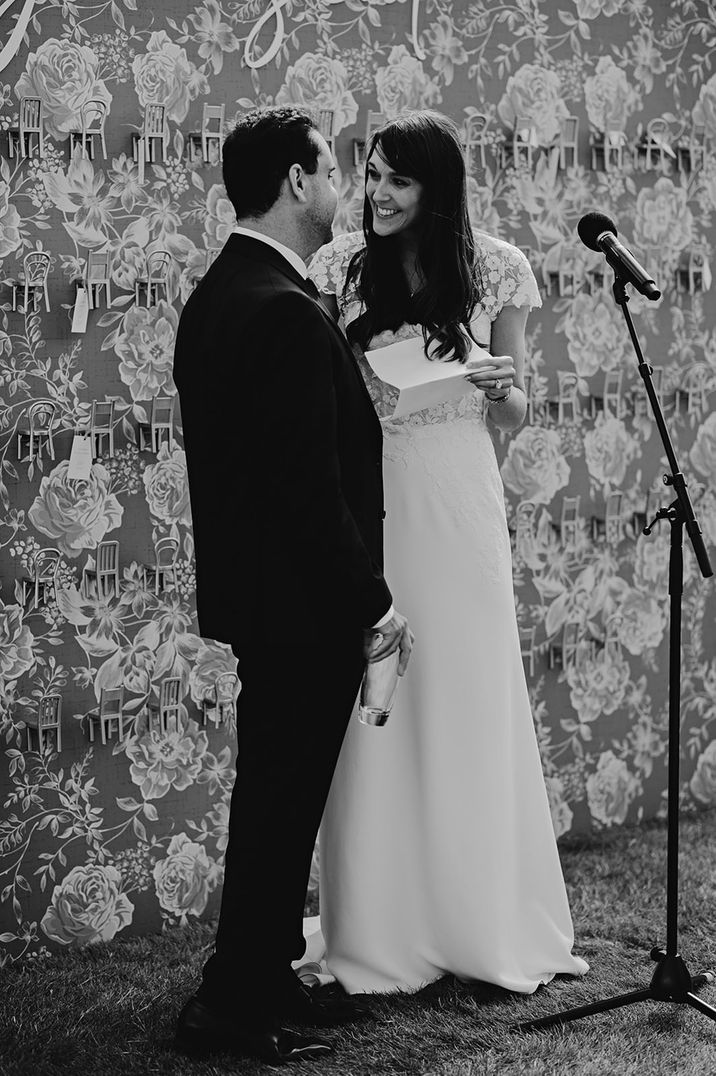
(258, 153)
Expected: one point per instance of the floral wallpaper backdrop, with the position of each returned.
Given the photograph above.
(97, 840)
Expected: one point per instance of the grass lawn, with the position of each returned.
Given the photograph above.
(109, 1010)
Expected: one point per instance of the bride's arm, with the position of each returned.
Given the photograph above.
(508, 339)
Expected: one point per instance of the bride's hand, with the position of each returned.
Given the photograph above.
(485, 373)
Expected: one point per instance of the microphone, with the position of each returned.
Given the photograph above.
(599, 232)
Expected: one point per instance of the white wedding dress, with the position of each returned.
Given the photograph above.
(437, 852)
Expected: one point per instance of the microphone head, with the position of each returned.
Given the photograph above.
(592, 225)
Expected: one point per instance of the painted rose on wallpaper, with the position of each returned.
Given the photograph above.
(403, 84)
(213, 659)
(611, 790)
(703, 451)
(220, 218)
(164, 75)
(317, 81)
(145, 347)
(16, 643)
(534, 93)
(595, 335)
(704, 111)
(10, 221)
(609, 448)
(608, 97)
(663, 218)
(173, 761)
(184, 880)
(63, 75)
(167, 487)
(703, 780)
(88, 906)
(76, 515)
(535, 468)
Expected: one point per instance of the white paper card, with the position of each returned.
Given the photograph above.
(420, 381)
(80, 312)
(80, 457)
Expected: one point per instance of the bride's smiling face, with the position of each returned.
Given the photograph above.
(395, 200)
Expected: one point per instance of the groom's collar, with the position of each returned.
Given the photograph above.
(291, 256)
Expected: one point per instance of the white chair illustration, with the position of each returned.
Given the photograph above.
(568, 142)
(610, 401)
(691, 150)
(102, 581)
(37, 430)
(155, 575)
(694, 387)
(639, 399)
(610, 527)
(219, 705)
(569, 525)
(99, 425)
(207, 141)
(374, 121)
(656, 147)
(525, 515)
(567, 395)
(522, 144)
(167, 709)
(476, 126)
(97, 276)
(31, 123)
(111, 703)
(326, 121)
(35, 271)
(568, 648)
(44, 576)
(48, 718)
(93, 115)
(527, 646)
(161, 421)
(156, 276)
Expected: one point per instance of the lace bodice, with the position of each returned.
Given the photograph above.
(505, 278)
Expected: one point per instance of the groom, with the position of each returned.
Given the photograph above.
(283, 451)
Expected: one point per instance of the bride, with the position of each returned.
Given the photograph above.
(437, 852)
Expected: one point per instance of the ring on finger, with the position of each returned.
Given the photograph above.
(498, 383)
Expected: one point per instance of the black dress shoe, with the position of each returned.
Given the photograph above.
(201, 1031)
(303, 1006)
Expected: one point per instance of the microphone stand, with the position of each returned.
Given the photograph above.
(671, 980)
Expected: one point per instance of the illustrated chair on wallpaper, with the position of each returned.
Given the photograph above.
(211, 135)
(527, 647)
(93, 115)
(161, 421)
(48, 718)
(691, 150)
(571, 648)
(100, 425)
(641, 517)
(568, 142)
(36, 429)
(97, 276)
(522, 144)
(374, 120)
(567, 395)
(525, 516)
(153, 132)
(155, 275)
(656, 147)
(111, 702)
(35, 271)
(221, 701)
(693, 273)
(612, 643)
(693, 388)
(326, 122)
(529, 394)
(166, 551)
(607, 147)
(569, 525)
(475, 137)
(103, 579)
(610, 527)
(167, 708)
(610, 401)
(31, 123)
(44, 576)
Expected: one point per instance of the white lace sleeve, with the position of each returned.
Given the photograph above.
(329, 265)
(506, 277)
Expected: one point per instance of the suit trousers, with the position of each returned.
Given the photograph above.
(292, 714)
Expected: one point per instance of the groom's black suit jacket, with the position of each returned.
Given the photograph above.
(283, 451)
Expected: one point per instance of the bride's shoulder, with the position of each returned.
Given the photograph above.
(329, 265)
(505, 274)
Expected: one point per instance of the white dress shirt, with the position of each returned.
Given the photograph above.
(300, 266)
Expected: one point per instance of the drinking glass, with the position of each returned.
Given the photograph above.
(377, 690)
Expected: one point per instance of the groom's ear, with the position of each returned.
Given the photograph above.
(296, 180)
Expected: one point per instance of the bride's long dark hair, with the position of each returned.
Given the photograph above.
(425, 146)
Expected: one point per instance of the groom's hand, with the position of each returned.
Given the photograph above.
(393, 635)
